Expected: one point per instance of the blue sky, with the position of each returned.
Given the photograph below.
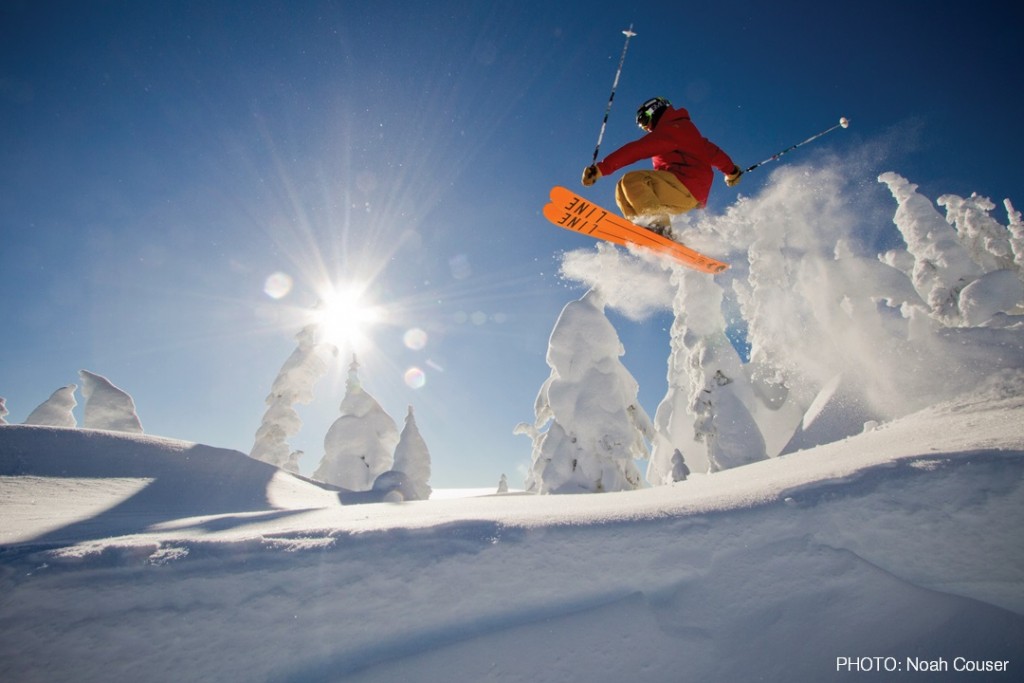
(160, 160)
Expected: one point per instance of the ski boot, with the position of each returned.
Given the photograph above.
(659, 225)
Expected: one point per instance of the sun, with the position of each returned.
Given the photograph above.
(345, 316)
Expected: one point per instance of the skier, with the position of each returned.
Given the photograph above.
(683, 161)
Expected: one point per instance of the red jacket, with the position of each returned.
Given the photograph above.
(675, 145)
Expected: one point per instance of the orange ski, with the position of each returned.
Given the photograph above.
(570, 211)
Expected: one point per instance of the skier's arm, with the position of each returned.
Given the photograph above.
(646, 147)
(714, 156)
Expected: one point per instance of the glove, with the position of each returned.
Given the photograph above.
(733, 179)
(590, 175)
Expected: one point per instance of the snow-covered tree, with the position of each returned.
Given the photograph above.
(293, 384)
(3, 411)
(413, 459)
(987, 241)
(1016, 228)
(503, 484)
(704, 417)
(595, 427)
(679, 469)
(56, 411)
(360, 445)
(839, 336)
(990, 296)
(942, 266)
(107, 406)
(996, 250)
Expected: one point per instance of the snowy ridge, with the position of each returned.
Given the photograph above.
(206, 479)
(723, 577)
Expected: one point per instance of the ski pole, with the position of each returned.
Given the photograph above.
(618, 72)
(843, 123)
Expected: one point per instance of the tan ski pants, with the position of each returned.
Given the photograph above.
(652, 194)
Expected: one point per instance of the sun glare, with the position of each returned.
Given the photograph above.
(345, 317)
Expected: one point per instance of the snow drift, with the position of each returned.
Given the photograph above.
(56, 411)
(899, 543)
(108, 406)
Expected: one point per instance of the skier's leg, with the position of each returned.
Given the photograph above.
(637, 195)
(642, 193)
(672, 196)
(623, 200)
(638, 202)
(634, 195)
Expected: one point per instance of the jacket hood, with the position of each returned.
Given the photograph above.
(673, 114)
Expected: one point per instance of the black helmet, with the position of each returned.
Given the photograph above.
(650, 111)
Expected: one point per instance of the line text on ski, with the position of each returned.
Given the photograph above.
(579, 213)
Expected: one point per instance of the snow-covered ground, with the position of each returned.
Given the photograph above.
(129, 557)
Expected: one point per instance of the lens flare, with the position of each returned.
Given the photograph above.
(415, 378)
(460, 267)
(277, 285)
(415, 339)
